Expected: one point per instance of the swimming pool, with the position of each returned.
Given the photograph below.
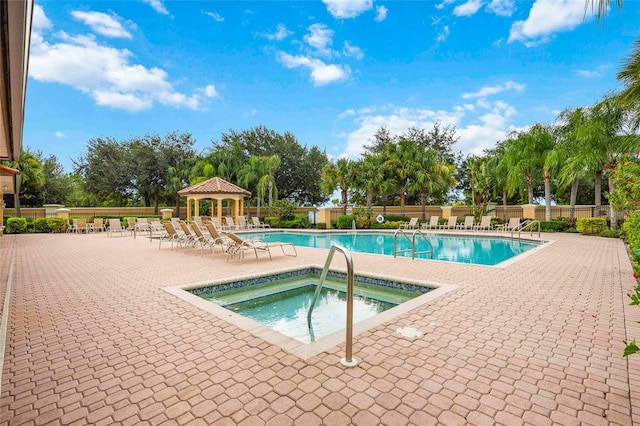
(453, 248)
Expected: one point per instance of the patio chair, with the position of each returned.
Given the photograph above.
(432, 224)
(216, 222)
(116, 226)
(97, 225)
(239, 245)
(142, 224)
(485, 224)
(131, 224)
(79, 226)
(513, 223)
(413, 222)
(242, 223)
(230, 223)
(258, 224)
(190, 238)
(451, 224)
(469, 222)
(202, 238)
(217, 238)
(171, 235)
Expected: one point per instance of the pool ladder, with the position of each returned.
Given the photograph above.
(412, 241)
(348, 360)
(527, 224)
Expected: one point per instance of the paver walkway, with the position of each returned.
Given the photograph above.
(93, 339)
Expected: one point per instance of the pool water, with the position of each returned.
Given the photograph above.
(283, 304)
(454, 248)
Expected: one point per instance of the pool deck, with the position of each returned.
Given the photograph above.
(93, 338)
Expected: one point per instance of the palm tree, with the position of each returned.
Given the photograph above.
(630, 76)
(251, 173)
(267, 182)
(371, 175)
(433, 175)
(341, 175)
(178, 178)
(31, 175)
(602, 6)
(201, 171)
(401, 159)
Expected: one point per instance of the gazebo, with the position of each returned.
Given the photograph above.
(215, 189)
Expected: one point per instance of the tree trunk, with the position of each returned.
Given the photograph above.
(258, 207)
(574, 197)
(423, 203)
(177, 205)
(344, 201)
(612, 211)
(385, 198)
(369, 199)
(530, 193)
(547, 196)
(16, 196)
(504, 206)
(598, 189)
(402, 196)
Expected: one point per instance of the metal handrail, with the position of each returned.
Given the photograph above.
(529, 223)
(348, 360)
(411, 241)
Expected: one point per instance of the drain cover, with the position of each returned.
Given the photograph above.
(409, 332)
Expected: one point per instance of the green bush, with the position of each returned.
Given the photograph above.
(396, 218)
(553, 225)
(16, 225)
(345, 221)
(608, 233)
(386, 225)
(41, 225)
(273, 222)
(631, 228)
(285, 210)
(301, 221)
(591, 225)
(321, 225)
(57, 224)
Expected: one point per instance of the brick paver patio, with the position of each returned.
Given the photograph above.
(93, 339)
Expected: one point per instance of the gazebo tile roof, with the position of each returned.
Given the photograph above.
(214, 185)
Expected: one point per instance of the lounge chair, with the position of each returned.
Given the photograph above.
(80, 226)
(513, 223)
(217, 238)
(189, 238)
(242, 223)
(142, 224)
(469, 222)
(485, 224)
(432, 224)
(239, 245)
(97, 225)
(413, 222)
(116, 226)
(171, 235)
(230, 223)
(258, 224)
(451, 224)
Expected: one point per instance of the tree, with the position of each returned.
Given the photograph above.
(400, 158)
(602, 7)
(340, 175)
(630, 77)
(267, 180)
(371, 173)
(29, 181)
(626, 195)
(177, 179)
(432, 175)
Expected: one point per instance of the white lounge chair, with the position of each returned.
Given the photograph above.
(451, 224)
(413, 222)
(468, 224)
(216, 238)
(230, 223)
(485, 224)
(513, 223)
(239, 245)
(432, 224)
(258, 224)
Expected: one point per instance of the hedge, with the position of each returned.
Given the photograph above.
(591, 225)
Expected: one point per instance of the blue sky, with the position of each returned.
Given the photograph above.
(330, 72)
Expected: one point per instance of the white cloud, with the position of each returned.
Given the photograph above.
(468, 9)
(492, 90)
(444, 34)
(353, 51)
(60, 135)
(347, 8)
(107, 74)
(320, 38)
(547, 17)
(281, 33)
(216, 16)
(40, 22)
(478, 126)
(321, 73)
(381, 13)
(502, 7)
(102, 23)
(158, 6)
(599, 71)
(444, 3)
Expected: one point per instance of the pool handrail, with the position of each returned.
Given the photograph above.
(529, 223)
(348, 360)
(411, 241)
